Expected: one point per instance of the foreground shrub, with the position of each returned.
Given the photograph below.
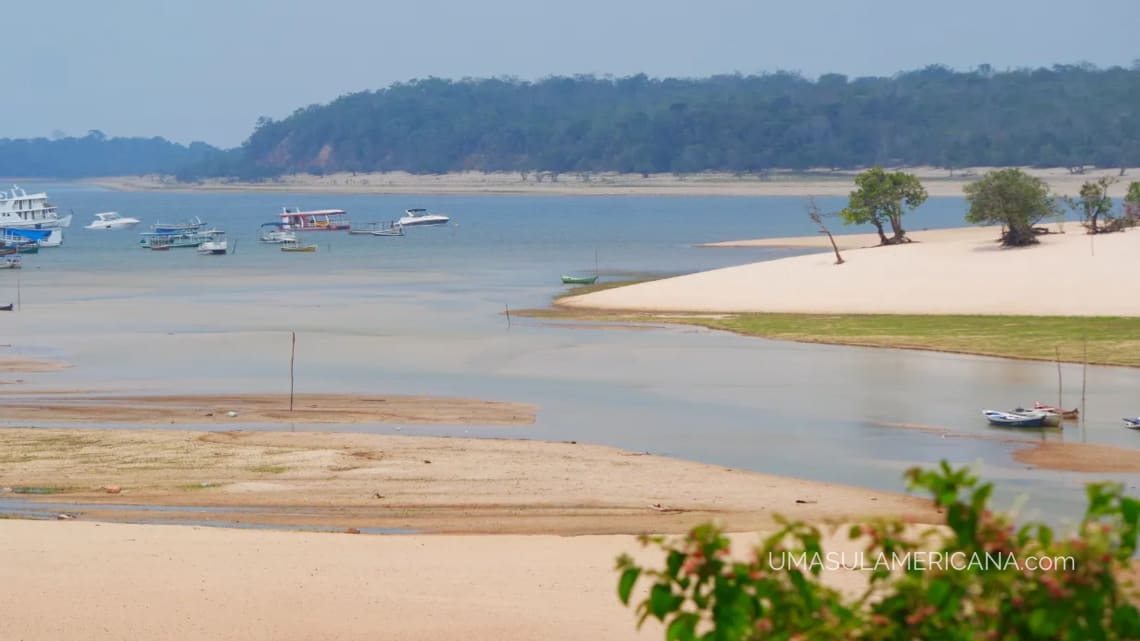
(976, 578)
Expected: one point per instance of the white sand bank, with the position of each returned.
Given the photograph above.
(90, 582)
(1070, 274)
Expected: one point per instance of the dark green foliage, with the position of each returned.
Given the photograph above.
(97, 155)
(883, 197)
(1012, 198)
(1068, 116)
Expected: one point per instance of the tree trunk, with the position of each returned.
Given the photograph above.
(1019, 236)
(879, 228)
(900, 233)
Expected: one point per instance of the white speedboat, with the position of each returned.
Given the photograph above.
(112, 220)
(418, 217)
(213, 242)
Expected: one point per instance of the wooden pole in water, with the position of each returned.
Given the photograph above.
(508, 308)
(595, 262)
(292, 359)
(1059, 394)
(1084, 381)
(18, 288)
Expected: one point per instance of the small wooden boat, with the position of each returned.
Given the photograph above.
(7, 308)
(1070, 415)
(374, 229)
(1049, 419)
(1009, 419)
(294, 246)
(579, 280)
(1130, 423)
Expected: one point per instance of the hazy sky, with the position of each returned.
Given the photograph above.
(206, 69)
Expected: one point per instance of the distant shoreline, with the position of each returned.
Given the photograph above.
(823, 183)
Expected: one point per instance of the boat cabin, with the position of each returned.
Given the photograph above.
(317, 220)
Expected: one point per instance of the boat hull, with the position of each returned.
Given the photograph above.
(1007, 419)
(1132, 423)
(579, 280)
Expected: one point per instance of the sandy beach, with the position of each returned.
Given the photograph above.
(98, 582)
(954, 272)
(193, 582)
(938, 182)
(457, 485)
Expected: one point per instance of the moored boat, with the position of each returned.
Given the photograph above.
(19, 209)
(579, 280)
(274, 234)
(1048, 419)
(1065, 414)
(418, 217)
(1009, 419)
(293, 219)
(294, 246)
(111, 220)
(375, 229)
(11, 263)
(213, 243)
(1132, 423)
(194, 224)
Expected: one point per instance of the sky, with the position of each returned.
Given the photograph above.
(206, 70)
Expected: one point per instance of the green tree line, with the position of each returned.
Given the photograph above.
(1063, 116)
(97, 155)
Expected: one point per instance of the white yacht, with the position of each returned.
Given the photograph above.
(21, 210)
(112, 220)
(414, 217)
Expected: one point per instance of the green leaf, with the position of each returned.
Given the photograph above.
(662, 601)
(626, 583)
(682, 628)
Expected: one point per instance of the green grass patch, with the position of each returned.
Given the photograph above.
(1109, 340)
(269, 469)
(39, 490)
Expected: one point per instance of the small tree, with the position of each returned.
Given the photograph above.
(1013, 199)
(1132, 204)
(882, 198)
(1094, 204)
(817, 217)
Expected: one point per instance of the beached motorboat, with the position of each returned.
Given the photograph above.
(293, 219)
(1049, 419)
(579, 280)
(294, 246)
(111, 220)
(275, 234)
(1009, 419)
(374, 229)
(1132, 423)
(1065, 414)
(418, 217)
(213, 243)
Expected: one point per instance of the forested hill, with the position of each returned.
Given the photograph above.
(96, 155)
(1061, 116)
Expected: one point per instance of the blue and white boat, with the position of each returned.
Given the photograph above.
(1132, 423)
(1010, 419)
